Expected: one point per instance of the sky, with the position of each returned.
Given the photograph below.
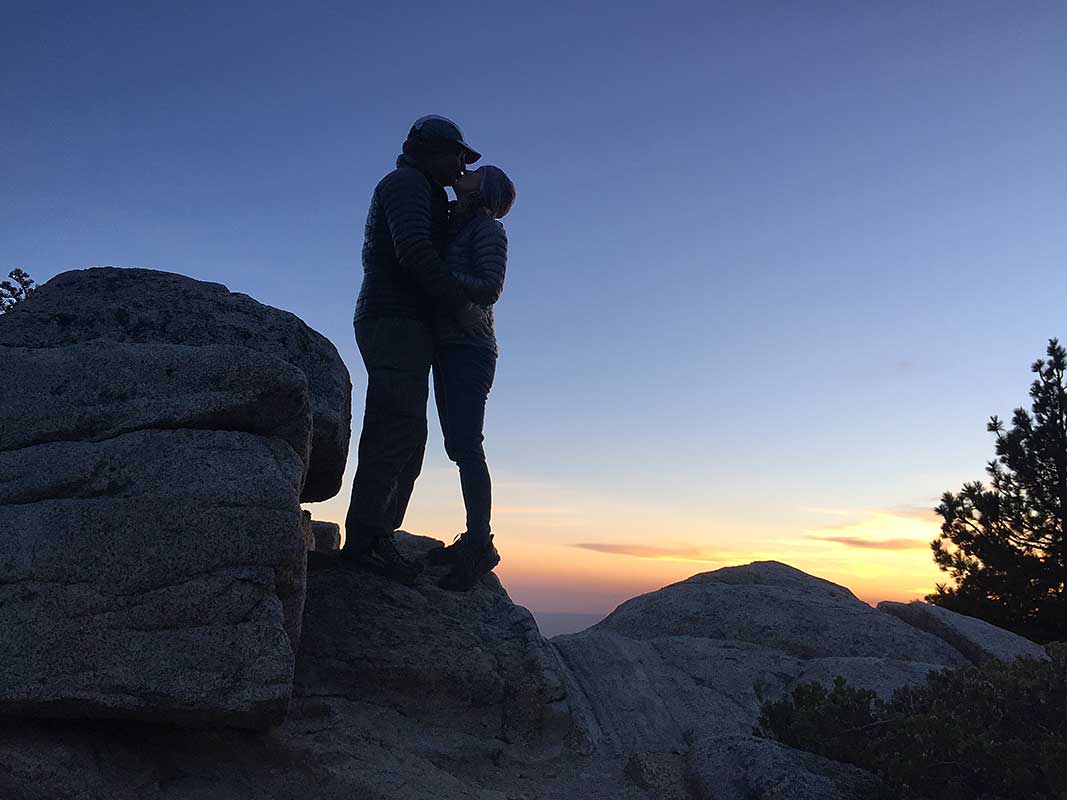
(772, 265)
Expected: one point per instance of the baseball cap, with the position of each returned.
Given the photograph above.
(433, 127)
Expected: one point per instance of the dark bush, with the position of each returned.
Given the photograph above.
(993, 732)
(11, 294)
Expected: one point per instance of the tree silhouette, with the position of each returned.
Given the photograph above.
(11, 294)
(1007, 552)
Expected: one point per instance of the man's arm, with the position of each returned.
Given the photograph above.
(489, 255)
(405, 198)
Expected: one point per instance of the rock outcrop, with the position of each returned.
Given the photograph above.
(695, 658)
(977, 640)
(477, 654)
(152, 556)
(140, 306)
(326, 536)
(684, 669)
(157, 435)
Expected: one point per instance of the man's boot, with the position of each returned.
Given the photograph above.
(381, 556)
(472, 560)
(447, 554)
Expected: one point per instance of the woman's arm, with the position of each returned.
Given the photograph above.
(484, 282)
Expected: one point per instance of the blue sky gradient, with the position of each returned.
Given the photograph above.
(772, 265)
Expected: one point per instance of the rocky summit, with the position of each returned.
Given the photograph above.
(176, 627)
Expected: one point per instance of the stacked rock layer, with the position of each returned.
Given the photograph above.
(153, 552)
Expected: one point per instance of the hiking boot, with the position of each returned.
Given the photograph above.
(447, 554)
(472, 561)
(382, 557)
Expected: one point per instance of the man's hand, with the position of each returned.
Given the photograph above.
(472, 321)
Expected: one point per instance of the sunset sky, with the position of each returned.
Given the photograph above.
(772, 265)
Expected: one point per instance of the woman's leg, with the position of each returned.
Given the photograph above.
(463, 376)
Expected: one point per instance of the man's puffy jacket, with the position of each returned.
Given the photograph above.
(403, 273)
(477, 255)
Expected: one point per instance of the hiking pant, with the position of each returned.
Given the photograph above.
(397, 353)
(462, 378)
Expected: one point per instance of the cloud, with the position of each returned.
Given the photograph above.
(876, 544)
(685, 553)
(905, 527)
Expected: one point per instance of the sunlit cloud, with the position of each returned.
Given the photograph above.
(876, 544)
(896, 528)
(684, 553)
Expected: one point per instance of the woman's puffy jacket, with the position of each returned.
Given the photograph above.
(477, 256)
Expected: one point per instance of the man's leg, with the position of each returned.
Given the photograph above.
(405, 482)
(397, 354)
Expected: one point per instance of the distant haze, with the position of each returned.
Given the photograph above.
(556, 624)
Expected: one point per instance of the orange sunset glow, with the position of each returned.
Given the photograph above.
(588, 556)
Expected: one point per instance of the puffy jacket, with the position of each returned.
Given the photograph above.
(403, 272)
(477, 255)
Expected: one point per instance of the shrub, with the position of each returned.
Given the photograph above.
(992, 732)
(11, 294)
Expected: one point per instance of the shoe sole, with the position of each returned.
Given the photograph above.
(483, 570)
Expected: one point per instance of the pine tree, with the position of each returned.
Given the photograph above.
(1007, 554)
(12, 294)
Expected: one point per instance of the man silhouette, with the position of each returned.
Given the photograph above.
(404, 282)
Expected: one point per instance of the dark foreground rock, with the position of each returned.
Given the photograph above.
(326, 536)
(415, 693)
(152, 553)
(401, 694)
(140, 306)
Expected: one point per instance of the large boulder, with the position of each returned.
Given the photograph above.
(975, 638)
(152, 557)
(696, 658)
(774, 605)
(151, 307)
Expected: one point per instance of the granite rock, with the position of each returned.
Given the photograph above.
(141, 306)
(749, 768)
(326, 536)
(777, 606)
(153, 554)
(976, 639)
